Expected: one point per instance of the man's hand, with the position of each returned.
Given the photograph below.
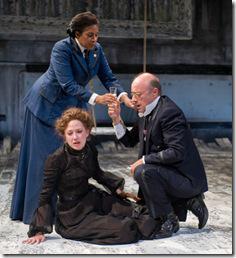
(114, 111)
(37, 239)
(134, 165)
(127, 101)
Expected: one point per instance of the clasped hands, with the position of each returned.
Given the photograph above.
(108, 98)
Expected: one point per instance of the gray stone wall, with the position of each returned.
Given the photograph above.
(194, 33)
(178, 31)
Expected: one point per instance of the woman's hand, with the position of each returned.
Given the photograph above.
(125, 195)
(105, 99)
(132, 196)
(127, 101)
(37, 239)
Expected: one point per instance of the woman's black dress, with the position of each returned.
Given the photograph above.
(85, 212)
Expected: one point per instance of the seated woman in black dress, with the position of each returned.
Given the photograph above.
(84, 212)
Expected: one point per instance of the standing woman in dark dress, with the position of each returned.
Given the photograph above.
(63, 85)
(85, 212)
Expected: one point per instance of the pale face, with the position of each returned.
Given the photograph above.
(142, 94)
(76, 134)
(89, 37)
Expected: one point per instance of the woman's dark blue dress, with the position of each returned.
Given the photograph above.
(63, 85)
(37, 142)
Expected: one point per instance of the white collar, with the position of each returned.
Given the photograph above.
(80, 46)
(149, 107)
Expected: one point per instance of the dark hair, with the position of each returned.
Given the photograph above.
(80, 21)
(73, 114)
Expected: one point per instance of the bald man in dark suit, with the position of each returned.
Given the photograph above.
(169, 169)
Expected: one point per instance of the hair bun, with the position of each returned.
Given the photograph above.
(69, 31)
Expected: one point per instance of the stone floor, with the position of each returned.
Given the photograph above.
(215, 238)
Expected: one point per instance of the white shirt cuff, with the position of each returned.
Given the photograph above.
(143, 158)
(92, 99)
(119, 130)
(122, 93)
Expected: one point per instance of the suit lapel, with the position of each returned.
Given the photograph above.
(141, 137)
(81, 60)
(93, 57)
(151, 123)
(79, 56)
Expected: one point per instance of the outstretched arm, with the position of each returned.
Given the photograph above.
(128, 137)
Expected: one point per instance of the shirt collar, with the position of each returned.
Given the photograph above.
(80, 46)
(149, 108)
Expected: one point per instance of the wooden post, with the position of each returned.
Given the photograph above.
(145, 37)
(91, 86)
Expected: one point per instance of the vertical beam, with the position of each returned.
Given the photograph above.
(145, 37)
(92, 111)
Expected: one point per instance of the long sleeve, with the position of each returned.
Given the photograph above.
(107, 179)
(42, 221)
(61, 62)
(131, 138)
(173, 125)
(43, 216)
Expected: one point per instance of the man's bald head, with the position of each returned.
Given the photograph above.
(145, 88)
(147, 76)
(148, 81)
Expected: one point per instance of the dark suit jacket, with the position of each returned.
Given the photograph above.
(169, 142)
(63, 85)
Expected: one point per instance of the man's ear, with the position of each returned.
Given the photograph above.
(156, 92)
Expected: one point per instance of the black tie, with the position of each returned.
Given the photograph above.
(147, 120)
(86, 56)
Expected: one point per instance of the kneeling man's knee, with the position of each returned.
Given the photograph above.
(138, 173)
(148, 171)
